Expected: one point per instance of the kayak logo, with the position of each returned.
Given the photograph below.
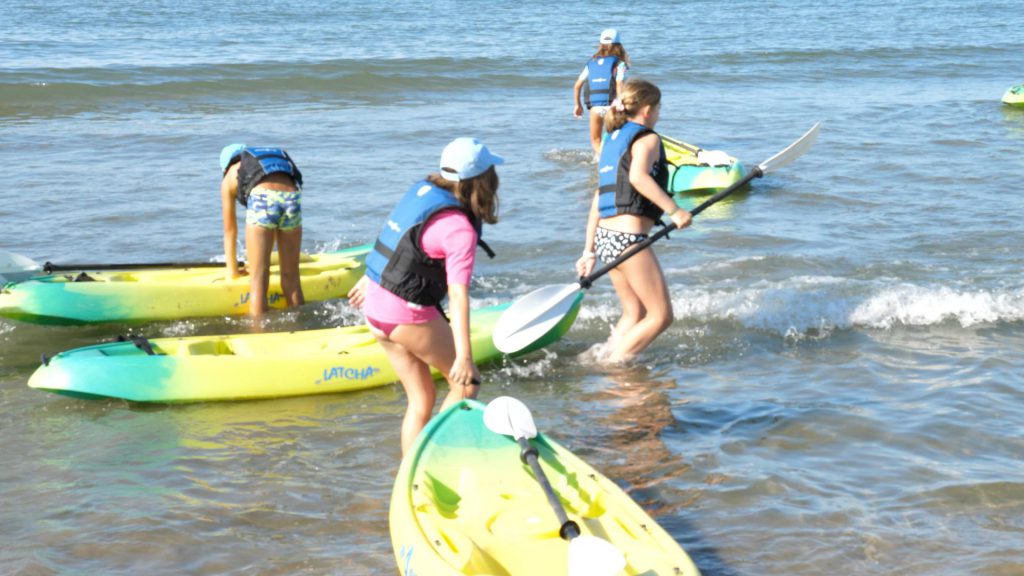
(406, 555)
(347, 373)
(272, 298)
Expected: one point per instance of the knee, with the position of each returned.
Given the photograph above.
(664, 319)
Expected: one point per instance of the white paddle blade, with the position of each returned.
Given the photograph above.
(507, 416)
(532, 316)
(593, 556)
(792, 152)
(15, 267)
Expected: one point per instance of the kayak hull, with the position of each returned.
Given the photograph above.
(687, 175)
(464, 503)
(1014, 96)
(169, 293)
(244, 366)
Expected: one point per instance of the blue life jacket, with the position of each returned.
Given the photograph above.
(616, 195)
(398, 262)
(257, 164)
(600, 88)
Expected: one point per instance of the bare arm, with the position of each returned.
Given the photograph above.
(645, 152)
(577, 108)
(463, 371)
(585, 265)
(228, 187)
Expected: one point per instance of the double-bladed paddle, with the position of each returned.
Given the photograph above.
(588, 555)
(530, 317)
(15, 267)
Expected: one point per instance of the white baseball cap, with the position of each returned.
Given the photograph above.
(610, 36)
(465, 158)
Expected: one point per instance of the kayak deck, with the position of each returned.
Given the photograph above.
(688, 174)
(464, 503)
(88, 296)
(246, 366)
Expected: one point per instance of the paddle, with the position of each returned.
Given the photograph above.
(51, 267)
(530, 317)
(15, 267)
(588, 555)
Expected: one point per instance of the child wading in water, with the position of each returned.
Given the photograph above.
(426, 251)
(631, 197)
(601, 80)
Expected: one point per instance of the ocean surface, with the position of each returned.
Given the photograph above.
(840, 393)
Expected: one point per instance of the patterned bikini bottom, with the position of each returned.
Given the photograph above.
(609, 244)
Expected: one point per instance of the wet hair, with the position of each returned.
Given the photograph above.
(612, 50)
(478, 195)
(636, 93)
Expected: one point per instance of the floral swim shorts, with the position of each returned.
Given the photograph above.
(274, 209)
(609, 244)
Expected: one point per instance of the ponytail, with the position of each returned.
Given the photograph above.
(636, 93)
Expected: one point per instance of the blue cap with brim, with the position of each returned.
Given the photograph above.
(229, 153)
(465, 158)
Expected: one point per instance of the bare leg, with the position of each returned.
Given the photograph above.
(596, 124)
(259, 242)
(289, 244)
(644, 278)
(632, 308)
(412, 349)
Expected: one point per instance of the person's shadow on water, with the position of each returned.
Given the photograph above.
(639, 410)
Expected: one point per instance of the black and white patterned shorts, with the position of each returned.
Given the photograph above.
(609, 244)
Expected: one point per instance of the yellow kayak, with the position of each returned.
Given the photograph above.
(83, 296)
(247, 366)
(1014, 96)
(464, 503)
(693, 170)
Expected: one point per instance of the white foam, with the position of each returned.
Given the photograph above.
(818, 305)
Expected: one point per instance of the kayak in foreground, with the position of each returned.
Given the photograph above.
(695, 170)
(85, 296)
(1014, 96)
(464, 503)
(246, 366)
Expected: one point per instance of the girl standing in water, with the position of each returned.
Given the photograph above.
(631, 198)
(600, 81)
(426, 251)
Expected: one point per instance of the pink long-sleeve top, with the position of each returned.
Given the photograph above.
(448, 235)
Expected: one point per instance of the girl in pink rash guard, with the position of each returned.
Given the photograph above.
(426, 251)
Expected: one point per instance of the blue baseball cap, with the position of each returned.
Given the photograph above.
(465, 158)
(229, 153)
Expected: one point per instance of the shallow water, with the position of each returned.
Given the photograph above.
(840, 389)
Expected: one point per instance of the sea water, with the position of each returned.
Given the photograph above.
(840, 391)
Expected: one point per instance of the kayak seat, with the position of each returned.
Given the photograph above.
(216, 347)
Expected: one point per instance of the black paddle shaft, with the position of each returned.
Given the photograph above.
(587, 281)
(528, 453)
(50, 267)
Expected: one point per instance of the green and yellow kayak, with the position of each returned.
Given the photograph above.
(87, 296)
(246, 366)
(1014, 96)
(464, 503)
(690, 173)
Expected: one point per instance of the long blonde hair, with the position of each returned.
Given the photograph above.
(616, 50)
(636, 93)
(478, 195)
